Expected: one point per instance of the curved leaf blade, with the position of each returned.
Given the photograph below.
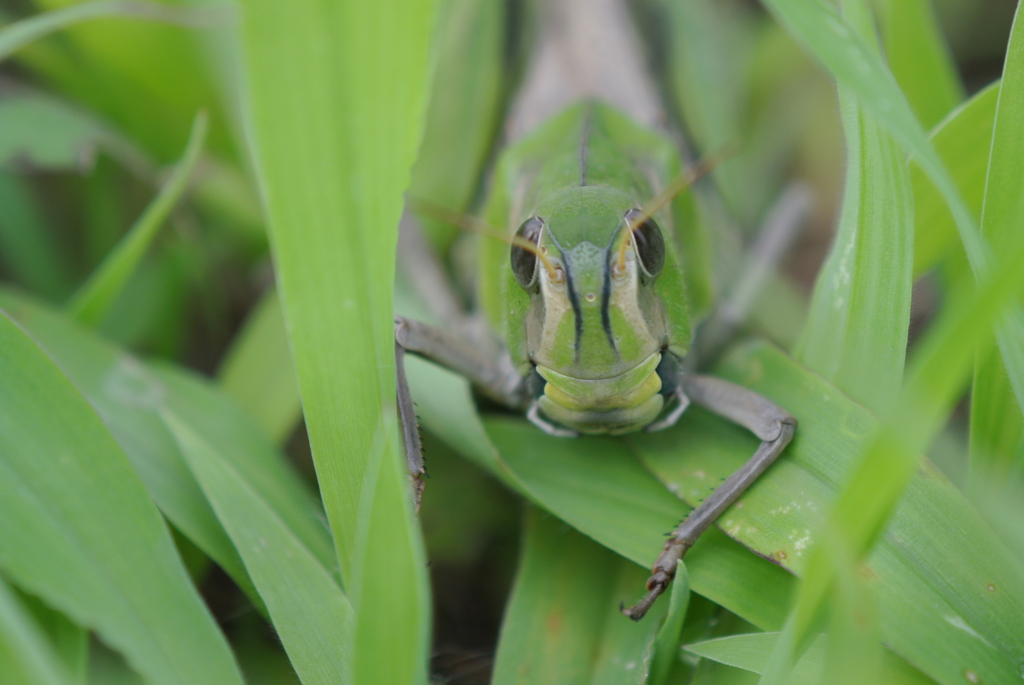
(335, 93)
(26, 656)
(309, 612)
(113, 568)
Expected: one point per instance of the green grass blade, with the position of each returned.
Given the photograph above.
(19, 34)
(962, 140)
(28, 251)
(996, 430)
(257, 370)
(70, 642)
(45, 132)
(666, 645)
(26, 656)
(856, 334)
(750, 652)
(114, 567)
(996, 381)
(335, 98)
(95, 296)
(780, 517)
(883, 471)
(309, 612)
(129, 396)
(464, 112)
(849, 57)
(562, 625)
(920, 60)
(854, 652)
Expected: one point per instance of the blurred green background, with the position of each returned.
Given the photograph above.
(91, 118)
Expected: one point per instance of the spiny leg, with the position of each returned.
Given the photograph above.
(769, 422)
(495, 375)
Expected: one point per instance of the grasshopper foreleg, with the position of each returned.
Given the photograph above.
(494, 374)
(769, 422)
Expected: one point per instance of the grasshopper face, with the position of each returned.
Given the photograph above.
(595, 328)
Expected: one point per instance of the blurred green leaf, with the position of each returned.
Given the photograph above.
(26, 656)
(70, 642)
(129, 396)
(19, 34)
(847, 55)
(963, 140)
(996, 429)
(45, 132)
(335, 97)
(112, 567)
(856, 334)
(257, 370)
(29, 253)
(932, 570)
(920, 60)
(750, 652)
(1002, 221)
(148, 78)
(464, 111)
(309, 612)
(563, 625)
(666, 646)
(887, 465)
(95, 296)
(854, 652)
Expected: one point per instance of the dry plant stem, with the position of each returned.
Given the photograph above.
(772, 424)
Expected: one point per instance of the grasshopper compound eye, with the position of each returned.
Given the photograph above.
(650, 245)
(524, 261)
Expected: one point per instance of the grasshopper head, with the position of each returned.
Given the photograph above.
(595, 328)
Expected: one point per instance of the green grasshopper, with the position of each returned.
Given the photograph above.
(587, 304)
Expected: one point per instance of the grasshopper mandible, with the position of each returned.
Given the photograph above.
(590, 299)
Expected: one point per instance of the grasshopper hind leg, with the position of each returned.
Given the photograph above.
(769, 422)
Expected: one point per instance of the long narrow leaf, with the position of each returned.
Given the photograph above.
(920, 60)
(129, 397)
(882, 473)
(848, 56)
(308, 609)
(563, 625)
(114, 567)
(26, 657)
(750, 652)
(1002, 220)
(335, 97)
(93, 298)
(963, 141)
(856, 334)
(258, 372)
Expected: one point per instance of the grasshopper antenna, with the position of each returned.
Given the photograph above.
(684, 180)
(472, 224)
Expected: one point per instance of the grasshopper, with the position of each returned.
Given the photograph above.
(586, 307)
